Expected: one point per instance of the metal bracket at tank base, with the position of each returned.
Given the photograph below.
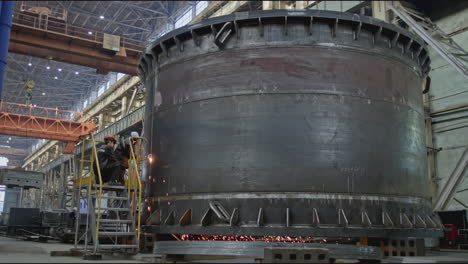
(260, 221)
(294, 214)
(218, 210)
(315, 218)
(365, 219)
(186, 218)
(342, 219)
(170, 219)
(387, 220)
(233, 221)
(405, 221)
(217, 220)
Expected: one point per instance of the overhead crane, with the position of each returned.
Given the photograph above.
(43, 122)
(51, 37)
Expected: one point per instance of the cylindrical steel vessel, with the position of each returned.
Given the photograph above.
(287, 123)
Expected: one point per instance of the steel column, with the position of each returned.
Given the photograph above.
(5, 28)
(454, 181)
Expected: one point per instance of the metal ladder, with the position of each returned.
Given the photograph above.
(114, 227)
(443, 44)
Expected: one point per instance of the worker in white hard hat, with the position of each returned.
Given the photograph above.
(123, 153)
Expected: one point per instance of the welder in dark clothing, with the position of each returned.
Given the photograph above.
(109, 162)
(123, 154)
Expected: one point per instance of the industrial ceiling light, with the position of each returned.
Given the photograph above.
(9, 138)
(59, 69)
(48, 67)
(76, 73)
(43, 93)
(89, 32)
(29, 64)
(101, 17)
(55, 77)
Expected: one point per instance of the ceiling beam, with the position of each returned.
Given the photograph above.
(87, 13)
(143, 8)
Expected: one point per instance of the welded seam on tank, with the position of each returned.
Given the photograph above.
(162, 109)
(379, 52)
(293, 195)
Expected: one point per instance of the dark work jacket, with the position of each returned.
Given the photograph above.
(122, 153)
(107, 160)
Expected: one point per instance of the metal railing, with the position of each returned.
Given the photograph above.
(44, 23)
(94, 159)
(39, 111)
(134, 173)
(36, 7)
(87, 178)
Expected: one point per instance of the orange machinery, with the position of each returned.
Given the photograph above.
(43, 122)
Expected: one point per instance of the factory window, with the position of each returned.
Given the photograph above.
(2, 196)
(92, 96)
(200, 6)
(184, 19)
(85, 103)
(101, 90)
(120, 75)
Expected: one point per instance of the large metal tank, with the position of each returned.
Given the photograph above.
(287, 123)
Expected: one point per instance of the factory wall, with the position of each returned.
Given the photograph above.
(449, 89)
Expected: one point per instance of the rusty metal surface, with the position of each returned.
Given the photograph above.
(315, 126)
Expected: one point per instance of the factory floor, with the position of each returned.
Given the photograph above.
(19, 251)
(442, 256)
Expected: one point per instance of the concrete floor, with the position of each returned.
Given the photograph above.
(19, 251)
(443, 256)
